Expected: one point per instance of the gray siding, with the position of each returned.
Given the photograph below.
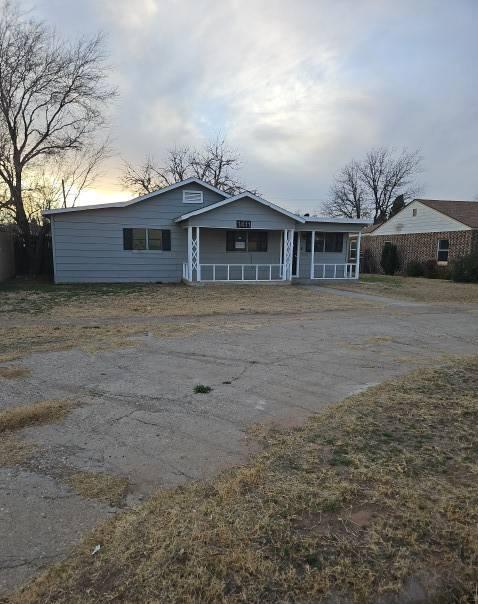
(261, 216)
(88, 245)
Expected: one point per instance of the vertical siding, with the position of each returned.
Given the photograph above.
(88, 245)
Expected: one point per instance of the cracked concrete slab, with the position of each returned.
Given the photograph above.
(34, 533)
(139, 417)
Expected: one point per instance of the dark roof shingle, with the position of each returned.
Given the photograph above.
(465, 212)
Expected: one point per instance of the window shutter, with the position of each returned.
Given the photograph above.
(166, 237)
(127, 239)
(230, 239)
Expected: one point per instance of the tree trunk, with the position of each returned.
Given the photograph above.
(23, 222)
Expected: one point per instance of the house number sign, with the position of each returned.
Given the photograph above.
(243, 224)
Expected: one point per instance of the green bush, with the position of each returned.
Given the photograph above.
(414, 269)
(465, 269)
(202, 389)
(390, 261)
(430, 269)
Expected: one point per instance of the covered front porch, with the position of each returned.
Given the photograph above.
(218, 255)
(246, 239)
(240, 255)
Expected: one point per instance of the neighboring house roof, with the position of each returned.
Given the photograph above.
(465, 212)
(339, 220)
(220, 204)
(371, 228)
(124, 204)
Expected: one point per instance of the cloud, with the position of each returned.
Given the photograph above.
(299, 88)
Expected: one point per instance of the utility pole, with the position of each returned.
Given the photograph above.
(63, 190)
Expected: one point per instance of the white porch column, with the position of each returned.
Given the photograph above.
(190, 253)
(290, 250)
(312, 254)
(297, 262)
(198, 261)
(357, 261)
(284, 255)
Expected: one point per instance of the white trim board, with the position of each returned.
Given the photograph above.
(125, 204)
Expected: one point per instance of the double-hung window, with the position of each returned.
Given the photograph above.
(246, 241)
(147, 239)
(443, 249)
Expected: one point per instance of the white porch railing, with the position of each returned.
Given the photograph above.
(242, 272)
(335, 271)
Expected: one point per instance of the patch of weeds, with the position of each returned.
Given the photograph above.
(14, 451)
(43, 412)
(202, 389)
(340, 457)
(14, 373)
(104, 487)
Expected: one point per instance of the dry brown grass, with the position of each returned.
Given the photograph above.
(18, 340)
(100, 485)
(14, 373)
(53, 318)
(15, 418)
(100, 301)
(376, 492)
(14, 451)
(418, 289)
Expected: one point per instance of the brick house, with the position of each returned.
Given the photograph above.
(426, 229)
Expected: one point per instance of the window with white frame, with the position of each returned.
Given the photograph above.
(190, 196)
(414, 212)
(353, 249)
(443, 249)
(142, 239)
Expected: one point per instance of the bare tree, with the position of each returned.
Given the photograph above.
(368, 187)
(348, 196)
(52, 94)
(215, 164)
(385, 174)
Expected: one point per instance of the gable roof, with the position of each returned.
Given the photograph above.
(465, 212)
(220, 204)
(125, 204)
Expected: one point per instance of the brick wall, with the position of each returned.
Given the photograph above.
(417, 246)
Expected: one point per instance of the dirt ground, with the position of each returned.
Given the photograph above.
(127, 360)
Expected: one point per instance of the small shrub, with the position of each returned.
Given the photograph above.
(202, 389)
(414, 269)
(390, 261)
(430, 269)
(465, 269)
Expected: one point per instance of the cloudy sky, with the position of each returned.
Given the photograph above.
(298, 87)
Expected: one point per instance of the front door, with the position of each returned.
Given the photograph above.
(294, 254)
